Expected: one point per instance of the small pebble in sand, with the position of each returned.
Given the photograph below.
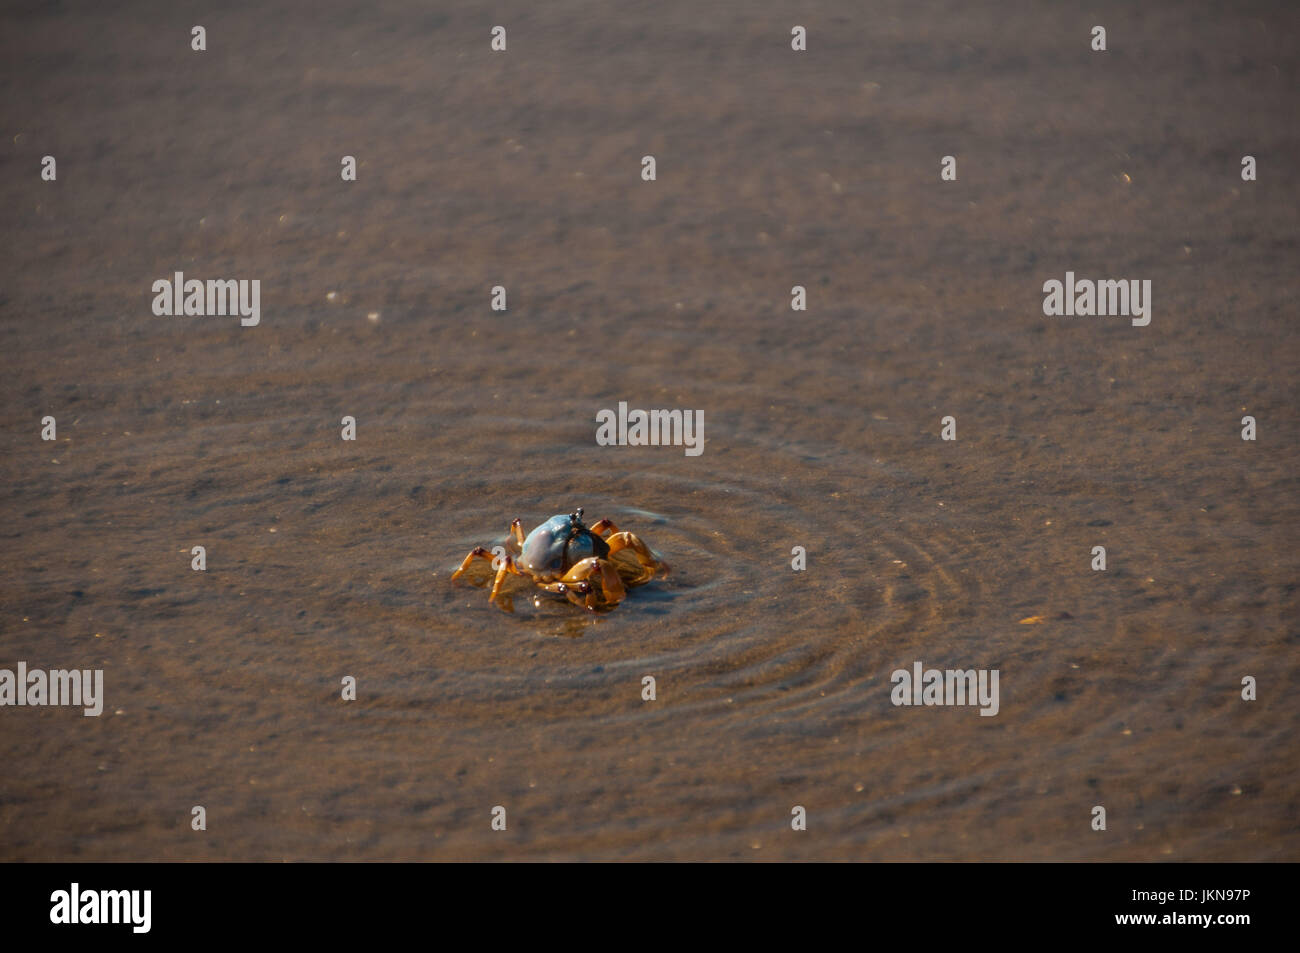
(331, 295)
(373, 317)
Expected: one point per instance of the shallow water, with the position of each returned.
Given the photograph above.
(328, 558)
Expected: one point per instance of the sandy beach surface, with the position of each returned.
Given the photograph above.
(328, 558)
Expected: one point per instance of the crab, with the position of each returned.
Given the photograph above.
(567, 558)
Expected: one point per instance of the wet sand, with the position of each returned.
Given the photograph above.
(328, 558)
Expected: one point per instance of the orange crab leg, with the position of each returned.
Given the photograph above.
(651, 565)
(478, 552)
(508, 567)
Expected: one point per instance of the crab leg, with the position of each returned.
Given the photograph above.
(651, 566)
(478, 552)
(508, 567)
(603, 526)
